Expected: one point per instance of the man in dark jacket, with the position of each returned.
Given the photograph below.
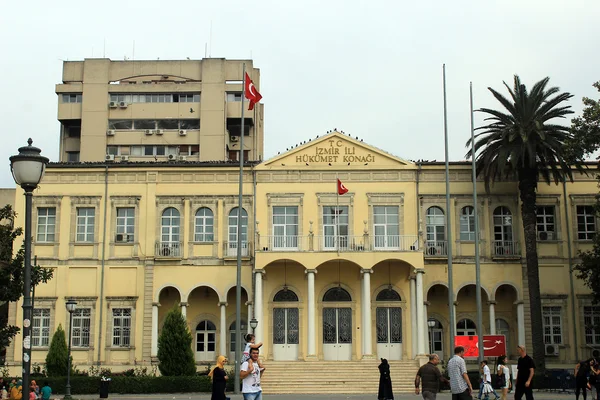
(429, 377)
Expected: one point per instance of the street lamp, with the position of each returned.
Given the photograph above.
(431, 323)
(27, 169)
(253, 324)
(71, 306)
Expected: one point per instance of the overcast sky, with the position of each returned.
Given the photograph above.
(370, 68)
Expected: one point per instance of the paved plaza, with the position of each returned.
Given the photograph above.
(206, 396)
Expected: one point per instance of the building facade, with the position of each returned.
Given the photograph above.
(328, 277)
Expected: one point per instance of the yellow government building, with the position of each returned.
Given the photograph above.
(132, 228)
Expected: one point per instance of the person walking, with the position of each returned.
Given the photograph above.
(250, 373)
(582, 369)
(485, 387)
(460, 384)
(525, 372)
(503, 377)
(429, 378)
(385, 381)
(46, 391)
(219, 379)
(595, 377)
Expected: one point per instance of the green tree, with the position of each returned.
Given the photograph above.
(586, 128)
(11, 271)
(520, 143)
(175, 346)
(57, 358)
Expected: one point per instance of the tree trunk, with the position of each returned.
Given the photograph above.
(527, 189)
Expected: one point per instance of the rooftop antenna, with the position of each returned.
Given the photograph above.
(205, 50)
(210, 40)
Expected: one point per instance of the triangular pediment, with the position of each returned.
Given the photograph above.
(336, 150)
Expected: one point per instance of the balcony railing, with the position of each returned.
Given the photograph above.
(506, 248)
(231, 249)
(341, 243)
(436, 248)
(168, 249)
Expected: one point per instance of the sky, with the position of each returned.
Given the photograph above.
(370, 68)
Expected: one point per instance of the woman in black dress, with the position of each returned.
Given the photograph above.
(385, 381)
(219, 379)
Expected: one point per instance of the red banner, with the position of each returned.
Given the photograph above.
(493, 345)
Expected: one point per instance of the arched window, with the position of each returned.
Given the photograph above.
(467, 223)
(388, 295)
(232, 333)
(466, 327)
(436, 224)
(436, 339)
(503, 232)
(170, 225)
(337, 294)
(233, 232)
(285, 295)
(203, 228)
(206, 325)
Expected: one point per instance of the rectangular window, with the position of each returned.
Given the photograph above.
(204, 225)
(591, 321)
(40, 327)
(125, 224)
(72, 98)
(335, 227)
(234, 97)
(142, 124)
(467, 223)
(552, 325)
(545, 222)
(121, 327)
(136, 150)
(285, 227)
(81, 327)
(187, 98)
(72, 156)
(85, 224)
(46, 224)
(120, 124)
(189, 124)
(168, 124)
(112, 150)
(386, 224)
(586, 222)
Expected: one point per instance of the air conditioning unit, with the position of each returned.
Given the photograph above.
(182, 132)
(124, 158)
(435, 250)
(109, 157)
(110, 132)
(551, 350)
(235, 139)
(123, 104)
(149, 132)
(171, 157)
(545, 235)
(159, 131)
(182, 158)
(113, 104)
(123, 238)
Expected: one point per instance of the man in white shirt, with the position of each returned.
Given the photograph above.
(250, 373)
(486, 378)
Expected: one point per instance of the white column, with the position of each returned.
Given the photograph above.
(258, 304)
(184, 310)
(223, 331)
(492, 317)
(249, 304)
(312, 343)
(426, 325)
(155, 329)
(366, 321)
(420, 317)
(521, 322)
(413, 315)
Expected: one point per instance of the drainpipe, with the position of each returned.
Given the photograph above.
(570, 260)
(255, 244)
(418, 204)
(102, 265)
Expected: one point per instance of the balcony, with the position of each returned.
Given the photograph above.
(506, 249)
(230, 249)
(168, 249)
(312, 243)
(436, 248)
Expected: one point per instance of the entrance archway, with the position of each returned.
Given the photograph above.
(337, 324)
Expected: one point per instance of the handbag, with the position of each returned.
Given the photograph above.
(500, 381)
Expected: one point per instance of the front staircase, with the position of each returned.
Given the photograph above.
(346, 377)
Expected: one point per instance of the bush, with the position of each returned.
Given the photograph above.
(175, 346)
(133, 384)
(58, 355)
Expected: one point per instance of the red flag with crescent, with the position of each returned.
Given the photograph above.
(251, 93)
(493, 345)
(341, 189)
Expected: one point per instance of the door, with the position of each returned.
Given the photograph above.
(389, 332)
(436, 340)
(233, 233)
(285, 334)
(335, 227)
(206, 333)
(337, 334)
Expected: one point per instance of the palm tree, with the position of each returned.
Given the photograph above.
(520, 143)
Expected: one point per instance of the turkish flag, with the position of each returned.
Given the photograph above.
(493, 345)
(251, 92)
(341, 189)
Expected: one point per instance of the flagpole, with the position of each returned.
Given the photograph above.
(476, 215)
(337, 213)
(238, 283)
(452, 329)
